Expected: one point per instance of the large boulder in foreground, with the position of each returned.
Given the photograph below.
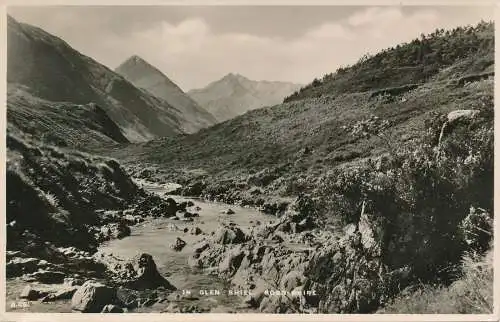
(92, 297)
(138, 273)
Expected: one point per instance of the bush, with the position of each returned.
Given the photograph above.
(472, 293)
(419, 203)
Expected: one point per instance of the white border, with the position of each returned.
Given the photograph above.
(216, 317)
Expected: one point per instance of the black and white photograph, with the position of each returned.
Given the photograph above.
(249, 159)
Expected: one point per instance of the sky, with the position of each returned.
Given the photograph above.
(195, 45)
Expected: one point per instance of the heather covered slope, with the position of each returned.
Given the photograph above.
(234, 95)
(310, 135)
(60, 123)
(192, 117)
(441, 55)
(48, 68)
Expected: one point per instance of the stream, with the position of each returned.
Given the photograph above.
(155, 237)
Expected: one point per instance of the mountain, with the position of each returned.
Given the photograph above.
(440, 55)
(60, 123)
(144, 75)
(319, 129)
(234, 95)
(48, 68)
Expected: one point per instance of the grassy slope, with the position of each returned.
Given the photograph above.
(309, 135)
(50, 69)
(468, 49)
(53, 193)
(60, 123)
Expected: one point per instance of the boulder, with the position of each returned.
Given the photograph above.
(292, 280)
(48, 277)
(92, 297)
(30, 294)
(63, 294)
(228, 212)
(178, 245)
(229, 235)
(18, 266)
(115, 231)
(200, 247)
(170, 207)
(195, 231)
(146, 275)
(231, 262)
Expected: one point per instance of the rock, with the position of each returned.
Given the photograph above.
(277, 238)
(63, 294)
(115, 231)
(453, 118)
(228, 212)
(366, 230)
(48, 277)
(30, 294)
(182, 206)
(110, 308)
(229, 235)
(201, 246)
(187, 214)
(138, 273)
(19, 266)
(178, 245)
(291, 280)
(195, 231)
(146, 275)
(170, 207)
(231, 262)
(92, 297)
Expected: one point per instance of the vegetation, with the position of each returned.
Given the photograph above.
(472, 293)
(415, 62)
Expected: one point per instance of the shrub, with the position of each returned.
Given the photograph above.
(419, 203)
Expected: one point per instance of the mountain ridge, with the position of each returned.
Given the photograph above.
(148, 77)
(235, 94)
(47, 67)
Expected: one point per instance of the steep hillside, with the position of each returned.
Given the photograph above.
(234, 95)
(50, 69)
(440, 55)
(143, 75)
(60, 123)
(286, 148)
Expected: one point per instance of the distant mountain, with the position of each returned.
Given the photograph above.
(234, 95)
(46, 67)
(145, 76)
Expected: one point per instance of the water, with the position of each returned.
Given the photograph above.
(154, 237)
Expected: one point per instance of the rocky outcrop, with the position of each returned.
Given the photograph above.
(229, 235)
(454, 117)
(92, 297)
(138, 273)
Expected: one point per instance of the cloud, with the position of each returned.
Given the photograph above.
(375, 16)
(193, 54)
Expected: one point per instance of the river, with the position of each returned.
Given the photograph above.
(155, 237)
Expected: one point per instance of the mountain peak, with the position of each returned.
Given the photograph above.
(235, 77)
(136, 60)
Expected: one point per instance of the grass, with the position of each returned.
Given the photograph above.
(472, 293)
